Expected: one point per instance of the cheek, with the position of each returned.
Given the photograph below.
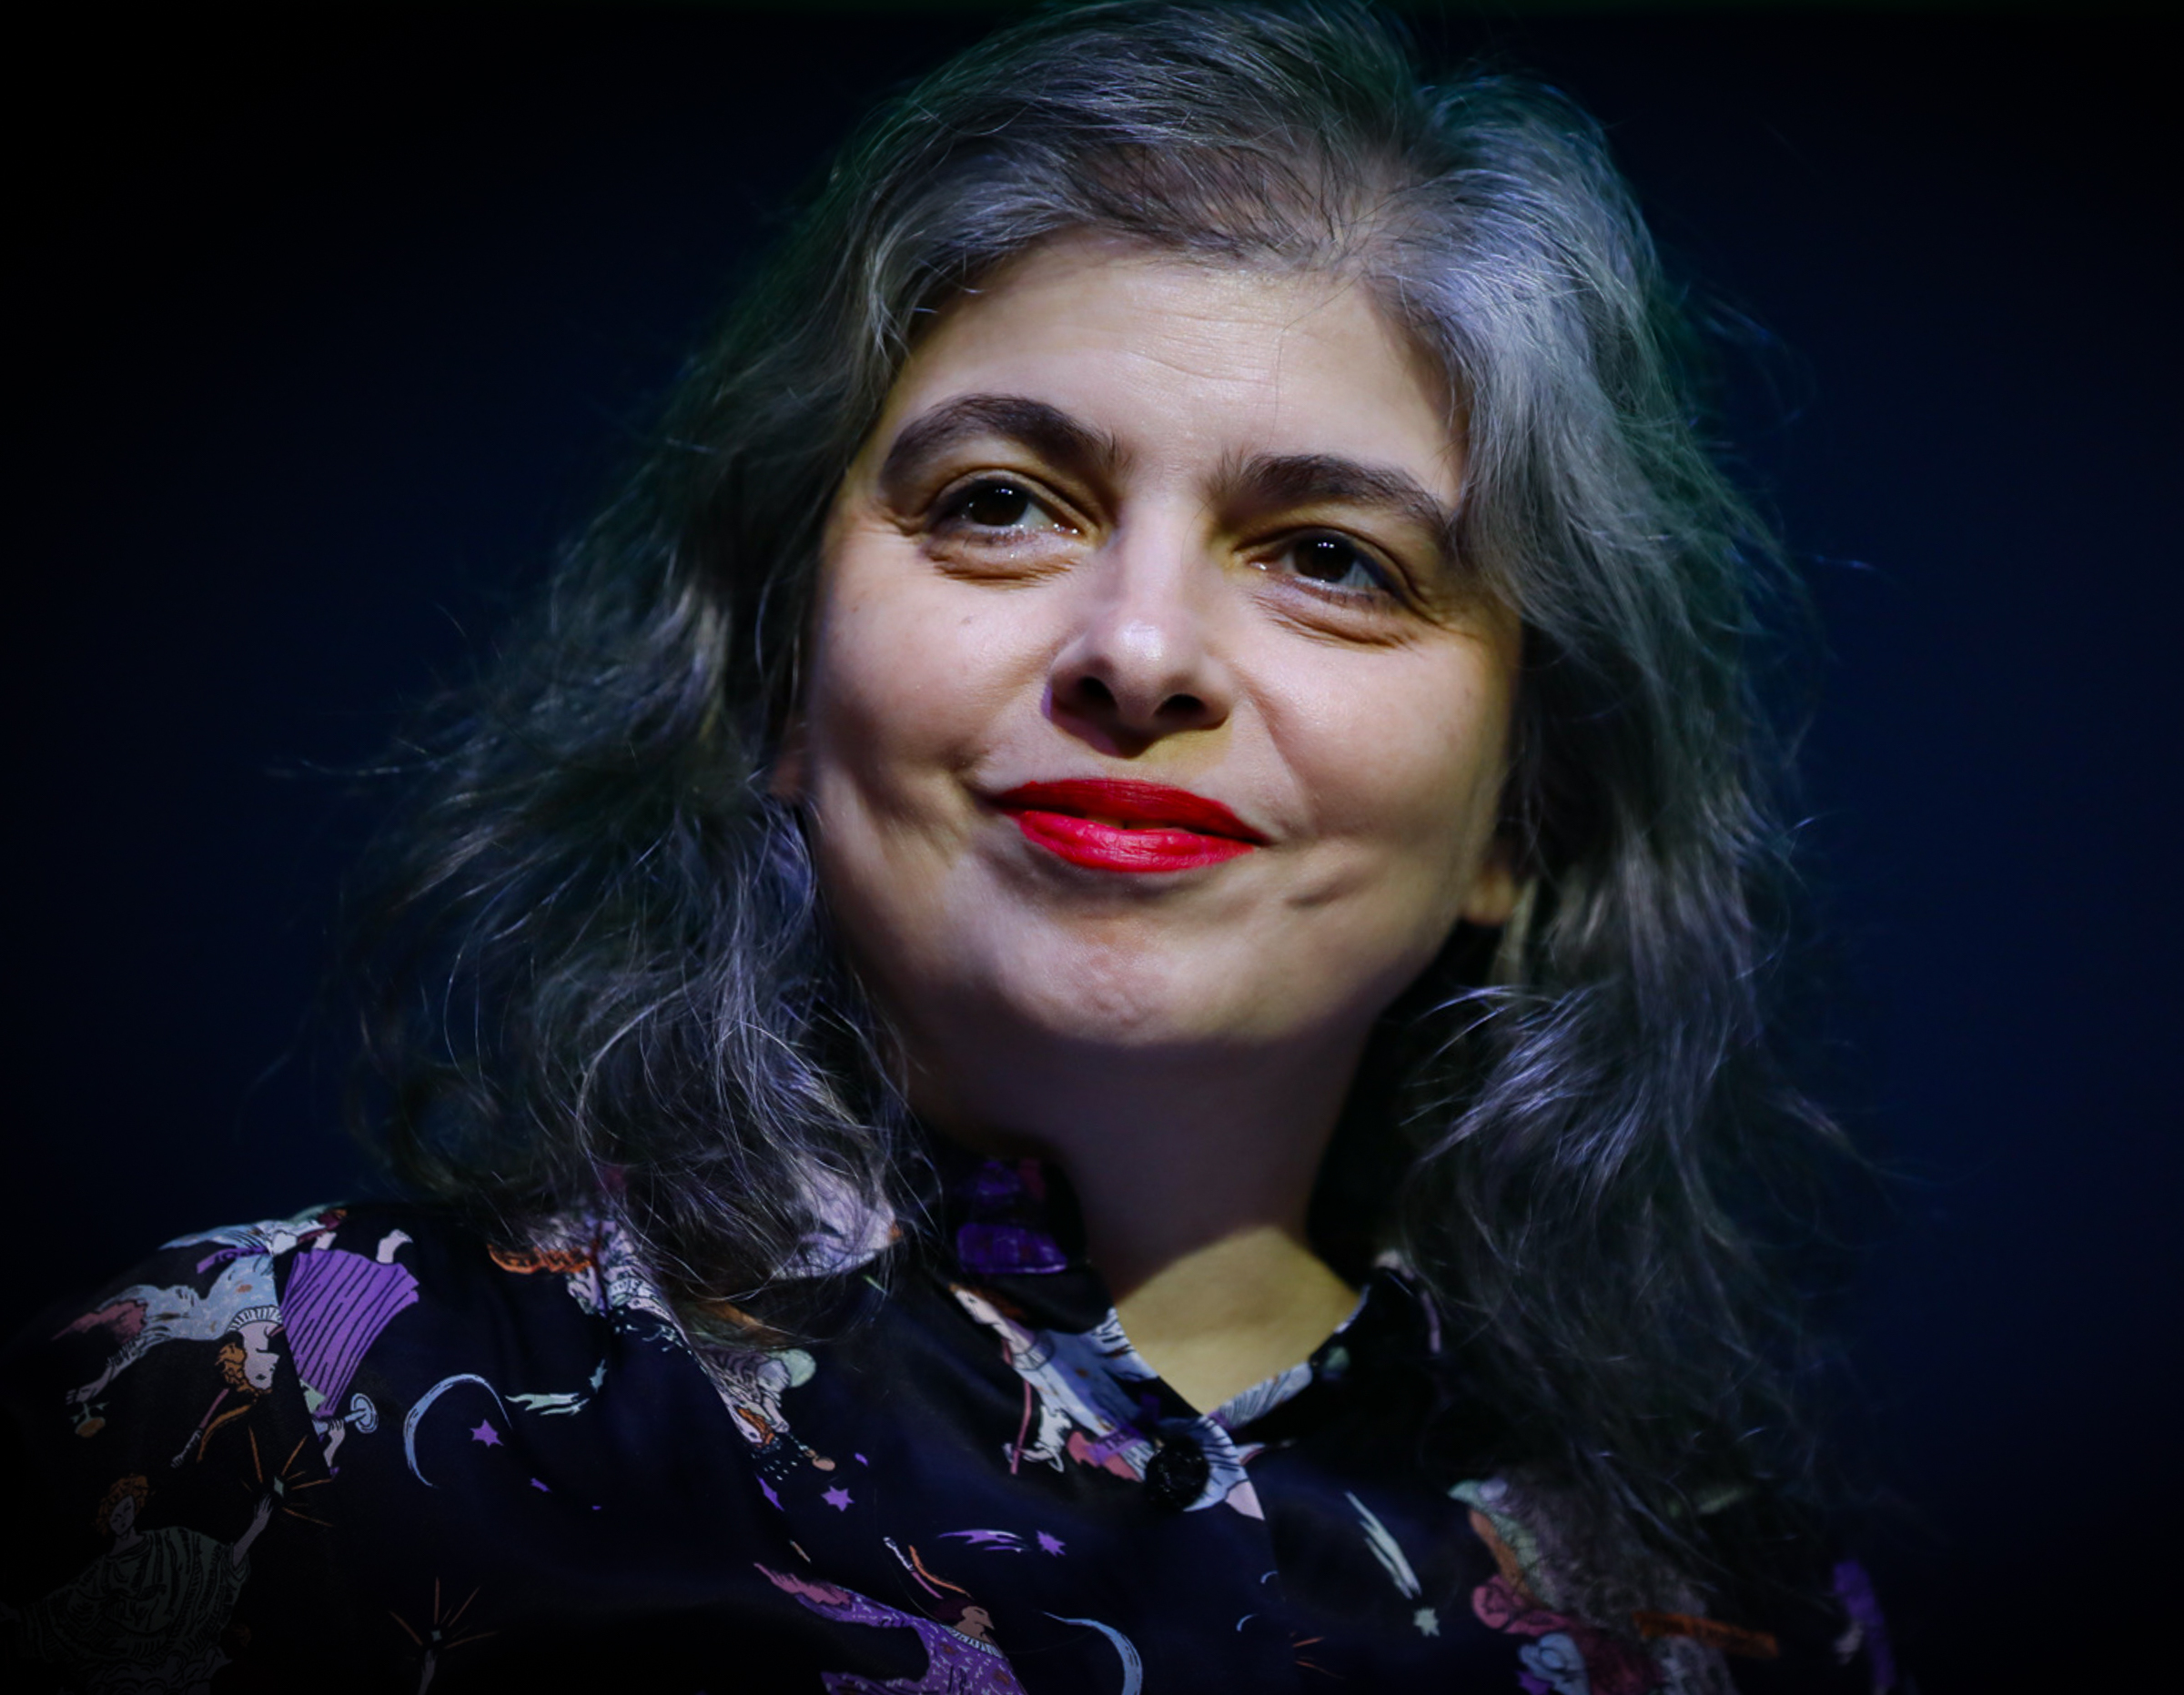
(879, 708)
(911, 682)
(1406, 763)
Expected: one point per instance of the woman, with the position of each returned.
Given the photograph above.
(1083, 1011)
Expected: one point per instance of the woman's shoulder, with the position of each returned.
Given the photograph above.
(380, 1388)
(1796, 1619)
(223, 1274)
(324, 1305)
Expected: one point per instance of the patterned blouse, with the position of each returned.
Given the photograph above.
(364, 1449)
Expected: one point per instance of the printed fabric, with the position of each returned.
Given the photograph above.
(365, 1449)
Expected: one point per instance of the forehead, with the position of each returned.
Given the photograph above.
(1178, 358)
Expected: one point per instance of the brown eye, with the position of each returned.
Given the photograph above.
(1337, 564)
(995, 505)
(997, 509)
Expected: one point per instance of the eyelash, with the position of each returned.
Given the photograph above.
(951, 513)
(1385, 581)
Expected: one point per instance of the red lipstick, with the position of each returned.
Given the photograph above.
(1112, 825)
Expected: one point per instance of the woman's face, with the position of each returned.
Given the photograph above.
(1145, 709)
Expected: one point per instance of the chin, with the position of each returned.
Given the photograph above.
(1135, 1000)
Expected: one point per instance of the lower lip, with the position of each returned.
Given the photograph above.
(1109, 847)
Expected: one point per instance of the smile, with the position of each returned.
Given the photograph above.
(1109, 825)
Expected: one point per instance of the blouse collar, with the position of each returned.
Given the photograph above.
(1010, 1219)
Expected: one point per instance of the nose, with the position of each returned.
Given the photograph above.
(1142, 663)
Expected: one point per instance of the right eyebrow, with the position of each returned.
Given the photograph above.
(1046, 430)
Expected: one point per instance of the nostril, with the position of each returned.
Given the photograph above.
(1094, 692)
(1182, 706)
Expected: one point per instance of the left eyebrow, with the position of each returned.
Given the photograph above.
(1305, 479)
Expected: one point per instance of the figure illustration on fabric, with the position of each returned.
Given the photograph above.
(335, 1307)
(1074, 1392)
(751, 1382)
(147, 1615)
(247, 1364)
(1083, 1393)
(1005, 1233)
(1565, 1655)
(962, 1658)
(605, 1281)
(601, 1272)
(240, 1309)
(270, 1238)
(142, 1316)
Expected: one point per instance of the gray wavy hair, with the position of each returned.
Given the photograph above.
(596, 966)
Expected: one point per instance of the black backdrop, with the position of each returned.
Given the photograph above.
(332, 323)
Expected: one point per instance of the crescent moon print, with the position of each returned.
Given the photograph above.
(1133, 1669)
(424, 1405)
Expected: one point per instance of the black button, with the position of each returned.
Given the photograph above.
(1175, 1475)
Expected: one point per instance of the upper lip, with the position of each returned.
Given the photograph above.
(1125, 801)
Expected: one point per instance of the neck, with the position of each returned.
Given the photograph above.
(1194, 1173)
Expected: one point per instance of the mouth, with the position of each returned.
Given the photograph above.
(1114, 825)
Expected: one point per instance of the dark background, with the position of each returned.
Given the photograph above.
(334, 321)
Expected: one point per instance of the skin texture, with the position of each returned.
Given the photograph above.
(1127, 515)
